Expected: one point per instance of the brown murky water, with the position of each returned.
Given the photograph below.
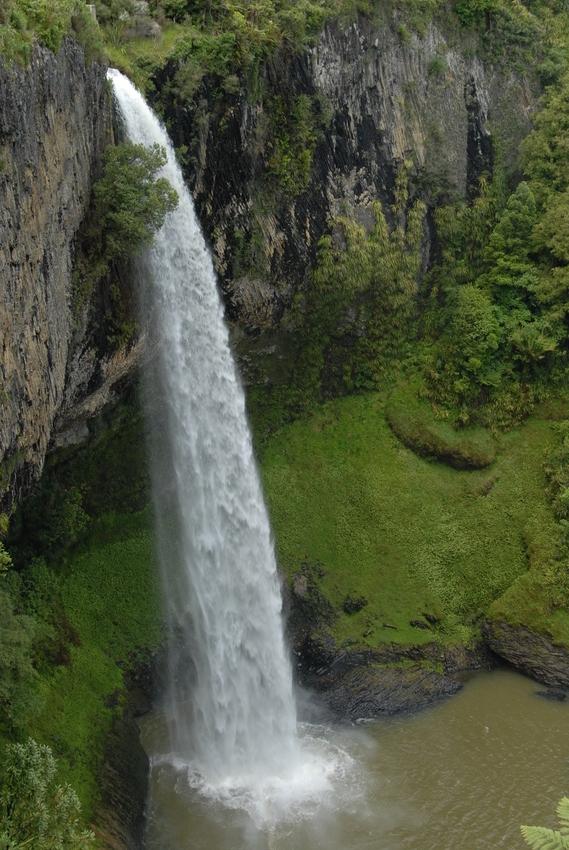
(462, 775)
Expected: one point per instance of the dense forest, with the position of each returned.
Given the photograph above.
(411, 419)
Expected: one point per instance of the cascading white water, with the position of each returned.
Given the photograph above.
(220, 579)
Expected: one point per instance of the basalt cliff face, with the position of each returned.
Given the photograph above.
(381, 102)
(56, 368)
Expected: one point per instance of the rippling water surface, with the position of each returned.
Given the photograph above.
(462, 775)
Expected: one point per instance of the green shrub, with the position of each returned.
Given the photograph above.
(49, 21)
(437, 65)
(131, 202)
(35, 811)
(465, 359)
(541, 838)
(18, 696)
(472, 13)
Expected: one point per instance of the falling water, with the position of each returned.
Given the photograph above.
(238, 729)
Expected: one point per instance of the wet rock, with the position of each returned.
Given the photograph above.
(373, 691)
(533, 654)
(554, 695)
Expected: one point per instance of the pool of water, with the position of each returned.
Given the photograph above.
(462, 775)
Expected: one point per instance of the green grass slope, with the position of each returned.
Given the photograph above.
(413, 537)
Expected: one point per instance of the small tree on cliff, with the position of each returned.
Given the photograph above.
(131, 202)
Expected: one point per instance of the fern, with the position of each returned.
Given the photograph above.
(541, 838)
(563, 814)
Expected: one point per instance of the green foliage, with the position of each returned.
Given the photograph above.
(545, 157)
(295, 130)
(49, 21)
(557, 472)
(92, 599)
(551, 68)
(541, 838)
(430, 432)
(18, 694)
(82, 483)
(507, 254)
(35, 811)
(473, 13)
(130, 205)
(355, 318)
(437, 65)
(131, 202)
(5, 560)
(464, 360)
(365, 285)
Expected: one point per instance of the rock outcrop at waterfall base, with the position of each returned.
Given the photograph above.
(533, 654)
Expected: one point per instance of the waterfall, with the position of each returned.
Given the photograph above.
(232, 717)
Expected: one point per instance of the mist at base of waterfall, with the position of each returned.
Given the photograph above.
(327, 775)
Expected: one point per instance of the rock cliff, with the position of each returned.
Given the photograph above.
(383, 95)
(55, 120)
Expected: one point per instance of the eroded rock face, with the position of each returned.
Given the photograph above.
(55, 120)
(372, 691)
(533, 654)
(427, 100)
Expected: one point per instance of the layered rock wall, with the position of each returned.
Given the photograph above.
(55, 120)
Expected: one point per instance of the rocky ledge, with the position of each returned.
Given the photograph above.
(533, 654)
(373, 691)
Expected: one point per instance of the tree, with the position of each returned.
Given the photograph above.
(507, 254)
(131, 202)
(541, 838)
(36, 812)
(465, 358)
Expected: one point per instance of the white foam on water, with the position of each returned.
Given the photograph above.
(326, 777)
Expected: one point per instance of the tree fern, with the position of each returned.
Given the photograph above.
(541, 838)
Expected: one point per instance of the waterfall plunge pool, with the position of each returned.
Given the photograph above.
(463, 774)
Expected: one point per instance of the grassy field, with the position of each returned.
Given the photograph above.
(413, 537)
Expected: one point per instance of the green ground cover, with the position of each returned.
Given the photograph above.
(110, 595)
(413, 537)
(84, 550)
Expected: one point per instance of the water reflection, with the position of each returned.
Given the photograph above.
(463, 775)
